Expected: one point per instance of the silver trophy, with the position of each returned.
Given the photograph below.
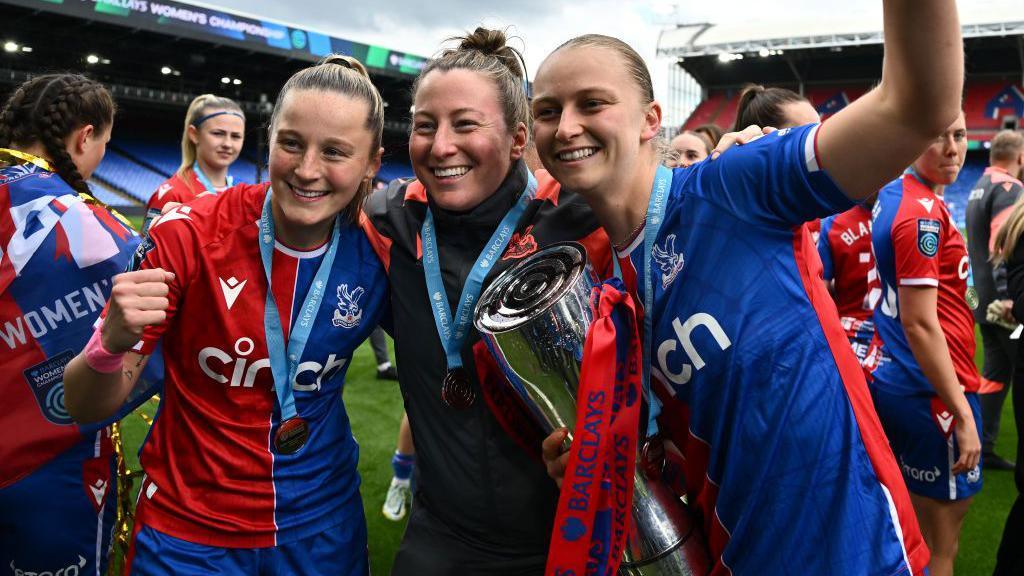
(534, 318)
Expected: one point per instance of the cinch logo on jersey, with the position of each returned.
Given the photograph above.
(920, 475)
(72, 570)
(75, 305)
(684, 332)
(928, 236)
(212, 361)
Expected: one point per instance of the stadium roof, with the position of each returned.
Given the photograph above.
(980, 18)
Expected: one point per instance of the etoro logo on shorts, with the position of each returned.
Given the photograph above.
(72, 570)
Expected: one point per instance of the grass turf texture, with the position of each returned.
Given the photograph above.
(375, 408)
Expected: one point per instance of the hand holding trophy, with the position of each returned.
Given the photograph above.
(569, 348)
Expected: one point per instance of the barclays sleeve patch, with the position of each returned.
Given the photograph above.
(139, 256)
(928, 231)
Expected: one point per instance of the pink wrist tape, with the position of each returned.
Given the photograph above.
(98, 358)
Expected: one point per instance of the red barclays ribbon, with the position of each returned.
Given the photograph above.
(593, 519)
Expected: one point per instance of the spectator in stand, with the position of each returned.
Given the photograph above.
(710, 131)
(1009, 252)
(210, 142)
(688, 147)
(989, 204)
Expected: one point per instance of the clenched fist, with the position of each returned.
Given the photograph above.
(137, 299)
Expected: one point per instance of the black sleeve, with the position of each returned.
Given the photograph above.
(999, 277)
(1015, 280)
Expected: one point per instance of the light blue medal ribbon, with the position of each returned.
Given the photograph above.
(655, 217)
(453, 331)
(284, 361)
(205, 181)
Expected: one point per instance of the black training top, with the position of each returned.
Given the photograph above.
(473, 476)
(988, 205)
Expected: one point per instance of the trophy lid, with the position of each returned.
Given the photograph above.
(530, 287)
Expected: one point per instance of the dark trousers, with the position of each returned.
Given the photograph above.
(1010, 558)
(431, 548)
(380, 346)
(1000, 355)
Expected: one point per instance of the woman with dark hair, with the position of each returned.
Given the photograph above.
(60, 248)
(774, 107)
(782, 439)
(259, 297)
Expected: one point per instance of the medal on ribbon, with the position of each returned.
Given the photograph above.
(293, 432)
(457, 388)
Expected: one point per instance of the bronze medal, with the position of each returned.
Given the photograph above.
(456, 390)
(291, 436)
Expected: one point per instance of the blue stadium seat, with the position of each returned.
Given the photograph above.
(137, 181)
(109, 198)
(956, 194)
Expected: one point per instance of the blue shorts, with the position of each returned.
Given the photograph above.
(921, 434)
(58, 519)
(337, 551)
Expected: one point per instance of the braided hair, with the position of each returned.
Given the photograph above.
(47, 109)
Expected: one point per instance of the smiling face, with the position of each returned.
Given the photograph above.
(321, 153)
(589, 118)
(460, 147)
(942, 161)
(219, 139)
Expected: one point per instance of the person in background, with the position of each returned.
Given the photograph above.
(710, 131)
(988, 205)
(1008, 250)
(688, 147)
(399, 496)
(210, 142)
(925, 382)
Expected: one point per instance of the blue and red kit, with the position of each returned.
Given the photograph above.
(213, 477)
(844, 246)
(58, 254)
(917, 244)
(781, 438)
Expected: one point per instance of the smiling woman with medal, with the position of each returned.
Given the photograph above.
(786, 461)
(211, 141)
(259, 297)
(483, 504)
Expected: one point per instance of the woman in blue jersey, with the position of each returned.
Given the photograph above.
(259, 298)
(782, 439)
(59, 250)
(210, 142)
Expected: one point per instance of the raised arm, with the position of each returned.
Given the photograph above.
(873, 139)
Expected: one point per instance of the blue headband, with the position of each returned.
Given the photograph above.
(198, 121)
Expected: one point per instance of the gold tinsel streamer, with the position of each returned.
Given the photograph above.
(122, 536)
